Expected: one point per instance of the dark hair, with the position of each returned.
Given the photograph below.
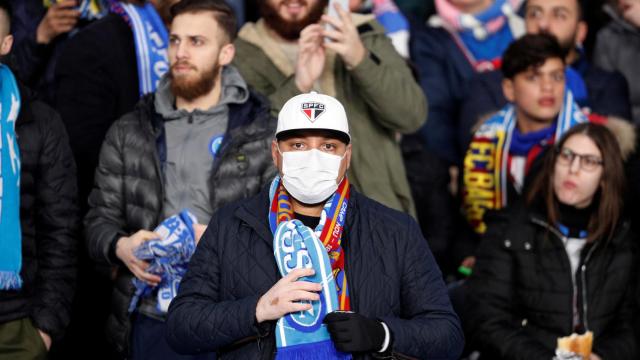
(608, 200)
(222, 12)
(531, 50)
(5, 6)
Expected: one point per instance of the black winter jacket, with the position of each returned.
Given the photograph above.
(97, 83)
(129, 193)
(49, 221)
(391, 273)
(521, 292)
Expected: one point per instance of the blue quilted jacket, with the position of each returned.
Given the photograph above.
(391, 272)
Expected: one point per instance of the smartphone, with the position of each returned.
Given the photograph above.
(334, 14)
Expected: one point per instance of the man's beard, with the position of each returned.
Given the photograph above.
(190, 89)
(290, 29)
(567, 45)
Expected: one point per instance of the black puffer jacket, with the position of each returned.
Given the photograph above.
(391, 274)
(521, 291)
(49, 221)
(129, 192)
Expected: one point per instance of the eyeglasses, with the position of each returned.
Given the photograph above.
(587, 162)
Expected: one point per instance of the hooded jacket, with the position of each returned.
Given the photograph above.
(130, 185)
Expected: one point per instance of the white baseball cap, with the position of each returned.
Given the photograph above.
(313, 111)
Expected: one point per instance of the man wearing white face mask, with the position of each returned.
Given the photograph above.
(310, 267)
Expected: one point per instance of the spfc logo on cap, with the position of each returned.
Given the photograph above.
(312, 110)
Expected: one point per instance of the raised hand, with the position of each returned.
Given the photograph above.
(59, 19)
(311, 57)
(345, 40)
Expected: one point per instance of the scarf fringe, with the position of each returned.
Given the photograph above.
(10, 280)
(314, 351)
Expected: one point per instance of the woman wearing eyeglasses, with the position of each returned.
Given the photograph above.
(561, 263)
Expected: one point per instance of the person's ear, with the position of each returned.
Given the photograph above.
(6, 45)
(581, 32)
(275, 154)
(227, 52)
(347, 156)
(508, 90)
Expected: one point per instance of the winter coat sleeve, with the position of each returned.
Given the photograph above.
(385, 83)
(56, 229)
(105, 221)
(496, 327)
(428, 326)
(29, 58)
(619, 341)
(197, 320)
(604, 50)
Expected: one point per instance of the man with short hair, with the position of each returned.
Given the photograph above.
(199, 142)
(38, 217)
(506, 150)
(595, 90)
(310, 268)
(294, 48)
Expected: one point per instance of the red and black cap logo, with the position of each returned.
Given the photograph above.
(312, 110)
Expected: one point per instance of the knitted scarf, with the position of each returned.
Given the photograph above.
(10, 233)
(481, 37)
(168, 257)
(302, 335)
(486, 162)
(151, 39)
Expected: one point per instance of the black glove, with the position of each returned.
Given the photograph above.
(351, 332)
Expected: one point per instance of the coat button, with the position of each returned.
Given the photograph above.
(524, 322)
(527, 246)
(507, 243)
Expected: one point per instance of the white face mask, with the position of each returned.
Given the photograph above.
(310, 176)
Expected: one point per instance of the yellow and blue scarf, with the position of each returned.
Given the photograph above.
(302, 335)
(486, 162)
(10, 233)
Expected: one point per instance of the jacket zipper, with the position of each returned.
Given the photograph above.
(583, 270)
(573, 289)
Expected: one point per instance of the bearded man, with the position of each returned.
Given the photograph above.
(200, 141)
(294, 49)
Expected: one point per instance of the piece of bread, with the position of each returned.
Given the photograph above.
(579, 344)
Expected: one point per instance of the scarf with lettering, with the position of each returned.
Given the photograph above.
(302, 335)
(486, 162)
(10, 232)
(151, 39)
(168, 258)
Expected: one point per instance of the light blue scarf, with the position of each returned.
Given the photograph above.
(151, 39)
(168, 256)
(10, 233)
(302, 335)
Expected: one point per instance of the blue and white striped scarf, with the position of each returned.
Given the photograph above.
(10, 233)
(151, 39)
(168, 256)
